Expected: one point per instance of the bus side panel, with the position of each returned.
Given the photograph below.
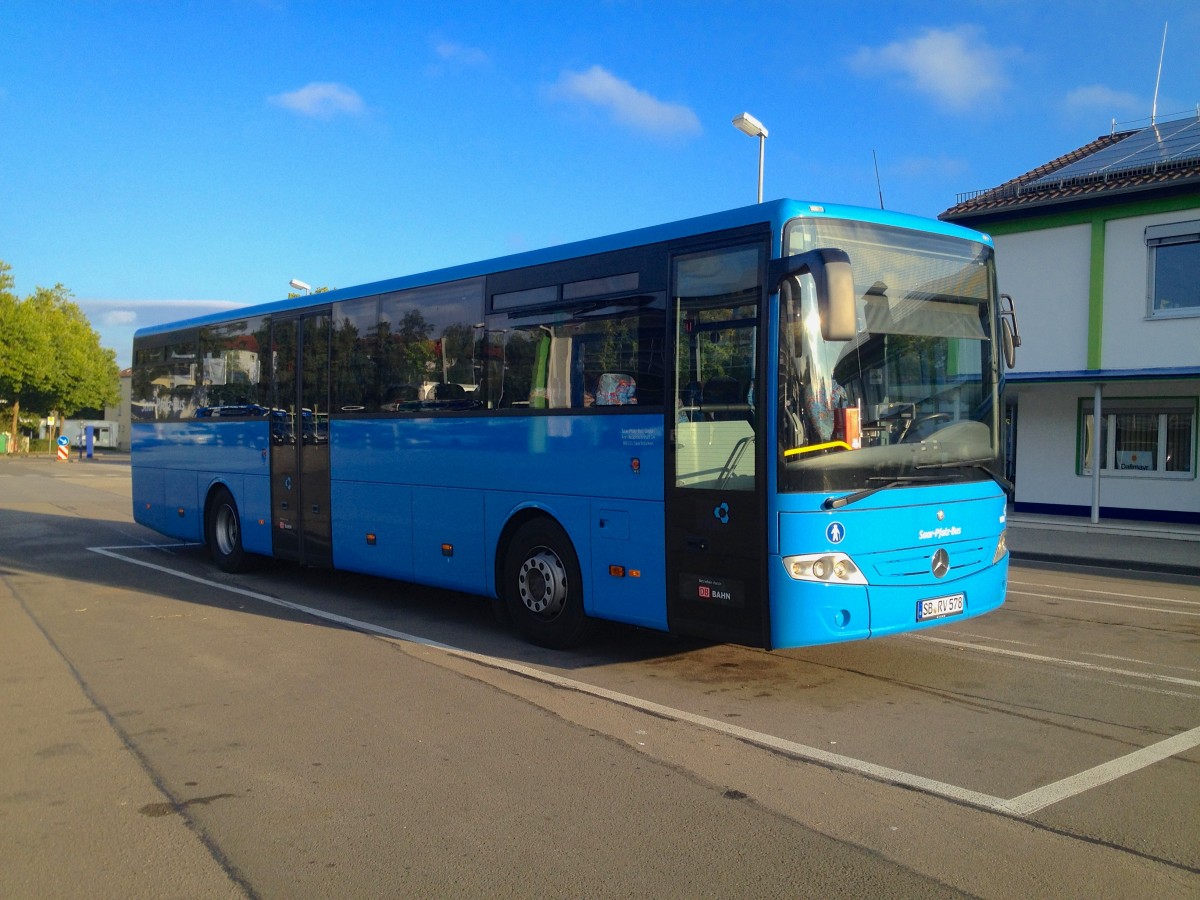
(172, 468)
(235, 445)
(148, 508)
(373, 528)
(469, 475)
(183, 518)
(448, 545)
(629, 583)
(254, 507)
(574, 456)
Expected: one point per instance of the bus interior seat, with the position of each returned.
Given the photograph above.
(449, 391)
(616, 389)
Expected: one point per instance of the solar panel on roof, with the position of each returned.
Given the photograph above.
(1165, 142)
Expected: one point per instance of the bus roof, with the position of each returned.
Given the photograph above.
(775, 212)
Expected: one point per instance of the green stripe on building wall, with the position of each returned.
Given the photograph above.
(1095, 338)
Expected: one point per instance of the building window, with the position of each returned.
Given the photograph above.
(1174, 282)
(1151, 438)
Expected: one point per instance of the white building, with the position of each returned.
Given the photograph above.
(1100, 250)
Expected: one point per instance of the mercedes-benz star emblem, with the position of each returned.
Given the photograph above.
(941, 563)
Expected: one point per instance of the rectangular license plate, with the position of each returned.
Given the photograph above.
(940, 607)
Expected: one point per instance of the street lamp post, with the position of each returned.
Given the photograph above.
(747, 124)
(297, 285)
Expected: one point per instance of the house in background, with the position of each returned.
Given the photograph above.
(120, 413)
(1100, 249)
(110, 432)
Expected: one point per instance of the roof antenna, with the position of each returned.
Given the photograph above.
(1161, 54)
(878, 183)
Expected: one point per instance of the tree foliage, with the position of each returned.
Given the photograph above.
(50, 356)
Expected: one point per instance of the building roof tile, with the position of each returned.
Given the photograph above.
(1033, 189)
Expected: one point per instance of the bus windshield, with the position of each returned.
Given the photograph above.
(911, 398)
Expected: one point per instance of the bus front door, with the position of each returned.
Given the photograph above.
(302, 530)
(715, 496)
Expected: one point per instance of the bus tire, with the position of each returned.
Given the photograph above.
(223, 533)
(543, 586)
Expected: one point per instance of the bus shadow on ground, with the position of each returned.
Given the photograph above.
(94, 553)
(466, 621)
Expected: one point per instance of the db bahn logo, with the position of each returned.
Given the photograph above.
(707, 592)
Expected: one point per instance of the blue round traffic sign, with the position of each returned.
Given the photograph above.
(64, 441)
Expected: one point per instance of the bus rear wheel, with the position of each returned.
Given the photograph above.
(543, 586)
(223, 533)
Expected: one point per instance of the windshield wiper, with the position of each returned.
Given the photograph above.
(898, 481)
(980, 464)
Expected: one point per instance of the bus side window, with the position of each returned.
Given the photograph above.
(578, 364)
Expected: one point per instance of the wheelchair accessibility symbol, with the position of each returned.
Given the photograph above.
(835, 532)
(721, 513)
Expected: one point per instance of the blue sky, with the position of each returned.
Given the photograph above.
(162, 159)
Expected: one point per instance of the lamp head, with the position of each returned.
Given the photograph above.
(747, 124)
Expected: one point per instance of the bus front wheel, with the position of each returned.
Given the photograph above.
(543, 586)
(223, 533)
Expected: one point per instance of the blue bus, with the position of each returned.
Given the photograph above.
(778, 426)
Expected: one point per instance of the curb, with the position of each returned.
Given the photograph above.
(1118, 565)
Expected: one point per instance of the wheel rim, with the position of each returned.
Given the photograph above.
(226, 531)
(542, 583)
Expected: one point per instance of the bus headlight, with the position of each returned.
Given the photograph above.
(1001, 547)
(826, 568)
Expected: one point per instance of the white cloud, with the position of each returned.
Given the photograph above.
(956, 67)
(1099, 99)
(460, 54)
(118, 317)
(626, 104)
(321, 100)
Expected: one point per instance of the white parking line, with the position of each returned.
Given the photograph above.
(265, 598)
(1169, 612)
(1042, 797)
(1122, 594)
(1055, 660)
(1140, 662)
(1021, 806)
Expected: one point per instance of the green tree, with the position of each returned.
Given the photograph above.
(50, 357)
(24, 349)
(323, 289)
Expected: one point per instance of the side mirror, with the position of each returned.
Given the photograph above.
(1010, 338)
(1008, 343)
(834, 279)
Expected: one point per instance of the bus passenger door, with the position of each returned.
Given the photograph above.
(300, 491)
(715, 495)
